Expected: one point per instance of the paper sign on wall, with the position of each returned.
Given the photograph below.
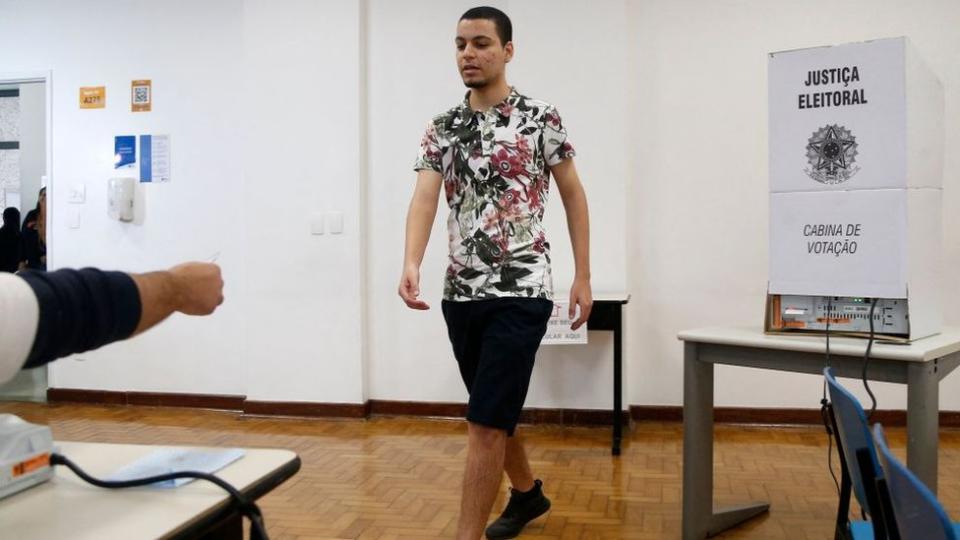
(124, 151)
(93, 97)
(141, 96)
(154, 158)
(558, 327)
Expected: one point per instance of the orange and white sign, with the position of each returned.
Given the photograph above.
(93, 97)
(141, 96)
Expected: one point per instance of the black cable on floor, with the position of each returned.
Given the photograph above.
(246, 507)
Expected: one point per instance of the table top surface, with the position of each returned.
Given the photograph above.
(921, 350)
(67, 507)
(618, 297)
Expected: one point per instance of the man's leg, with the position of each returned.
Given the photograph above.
(515, 334)
(481, 479)
(516, 464)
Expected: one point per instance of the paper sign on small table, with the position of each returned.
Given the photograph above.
(558, 328)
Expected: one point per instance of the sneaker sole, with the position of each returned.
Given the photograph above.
(543, 509)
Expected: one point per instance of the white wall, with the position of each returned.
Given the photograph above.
(699, 233)
(33, 141)
(303, 143)
(263, 133)
(412, 77)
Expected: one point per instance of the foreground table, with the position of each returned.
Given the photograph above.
(67, 507)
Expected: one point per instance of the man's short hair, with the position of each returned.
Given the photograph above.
(500, 21)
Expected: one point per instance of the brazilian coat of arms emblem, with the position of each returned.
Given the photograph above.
(831, 154)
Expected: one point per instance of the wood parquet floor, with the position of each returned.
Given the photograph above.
(399, 478)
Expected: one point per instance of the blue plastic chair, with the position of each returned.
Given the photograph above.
(917, 512)
(859, 459)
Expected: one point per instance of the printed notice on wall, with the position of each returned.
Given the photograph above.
(558, 327)
(141, 96)
(93, 97)
(154, 158)
(124, 152)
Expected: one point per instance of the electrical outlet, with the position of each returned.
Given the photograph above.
(78, 194)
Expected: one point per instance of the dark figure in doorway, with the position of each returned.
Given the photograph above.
(10, 240)
(33, 251)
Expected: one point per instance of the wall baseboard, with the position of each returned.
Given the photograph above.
(569, 417)
(150, 399)
(306, 408)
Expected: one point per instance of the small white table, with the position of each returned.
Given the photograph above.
(67, 507)
(920, 365)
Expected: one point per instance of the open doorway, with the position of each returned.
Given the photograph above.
(24, 172)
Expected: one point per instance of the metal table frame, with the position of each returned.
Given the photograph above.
(922, 378)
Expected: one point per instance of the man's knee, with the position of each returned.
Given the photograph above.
(486, 436)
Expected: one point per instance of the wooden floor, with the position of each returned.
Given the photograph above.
(400, 477)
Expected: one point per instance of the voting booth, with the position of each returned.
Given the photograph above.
(856, 173)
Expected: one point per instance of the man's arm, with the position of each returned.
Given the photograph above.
(18, 323)
(420, 216)
(71, 311)
(578, 223)
(191, 288)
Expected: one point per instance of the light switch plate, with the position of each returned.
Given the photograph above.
(336, 222)
(73, 218)
(316, 224)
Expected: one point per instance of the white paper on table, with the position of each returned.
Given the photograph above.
(169, 460)
(558, 327)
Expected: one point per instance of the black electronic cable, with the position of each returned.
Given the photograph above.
(824, 415)
(245, 506)
(866, 362)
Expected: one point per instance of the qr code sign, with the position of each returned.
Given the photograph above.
(141, 95)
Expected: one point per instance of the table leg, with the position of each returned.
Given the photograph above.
(230, 528)
(923, 422)
(699, 519)
(617, 382)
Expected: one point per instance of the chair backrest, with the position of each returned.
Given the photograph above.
(855, 438)
(917, 511)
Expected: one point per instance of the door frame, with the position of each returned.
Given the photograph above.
(46, 77)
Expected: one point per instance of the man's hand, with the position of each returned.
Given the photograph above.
(409, 288)
(199, 287)
(191, 288)
(580, 295)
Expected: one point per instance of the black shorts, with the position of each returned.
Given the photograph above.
(495, 343)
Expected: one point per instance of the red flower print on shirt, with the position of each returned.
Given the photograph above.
(540, 243)
(509, 165)
(553, 119)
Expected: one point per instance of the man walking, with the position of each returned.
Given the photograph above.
(493, 155)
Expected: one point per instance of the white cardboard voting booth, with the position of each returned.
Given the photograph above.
(856, 161)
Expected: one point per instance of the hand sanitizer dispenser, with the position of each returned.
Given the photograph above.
(120, 193)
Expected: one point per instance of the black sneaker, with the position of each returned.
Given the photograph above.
(522, 509)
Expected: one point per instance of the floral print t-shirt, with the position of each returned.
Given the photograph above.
(496, 174)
